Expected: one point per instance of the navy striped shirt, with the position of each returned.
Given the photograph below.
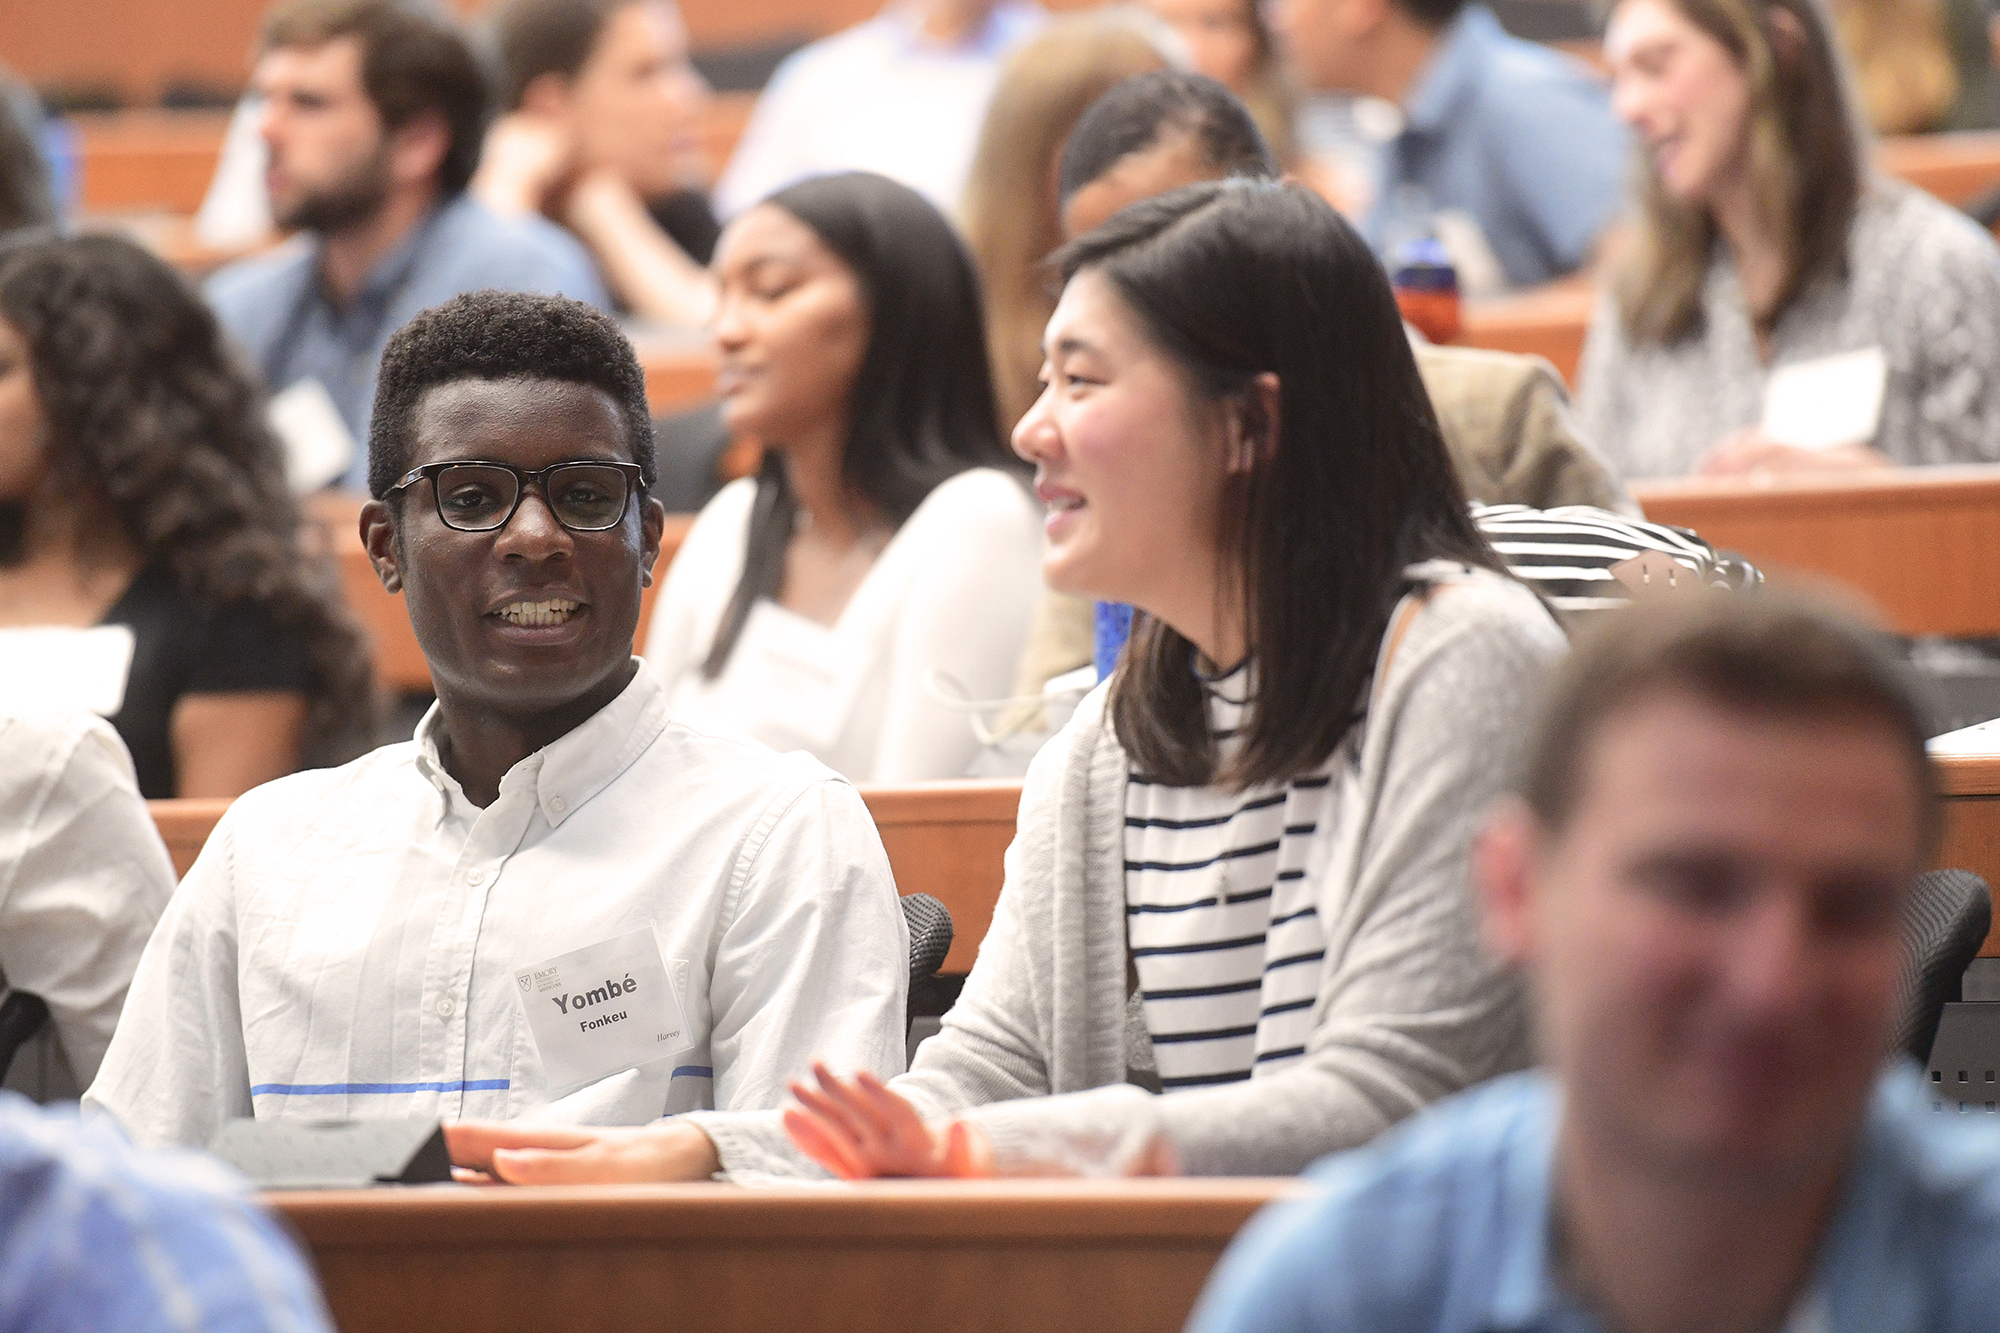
(1223, 927)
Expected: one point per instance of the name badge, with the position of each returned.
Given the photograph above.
(50, 668)
(796, 673)
(599, 1010)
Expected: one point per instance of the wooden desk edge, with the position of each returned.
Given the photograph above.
(1001, 1212)
(1967, 774)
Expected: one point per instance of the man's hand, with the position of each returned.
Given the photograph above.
(1751, 450)
(581, 1155)
(857, 1128)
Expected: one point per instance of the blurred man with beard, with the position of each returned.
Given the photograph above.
(372, 116)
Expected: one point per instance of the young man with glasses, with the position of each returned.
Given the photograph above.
(555, 901)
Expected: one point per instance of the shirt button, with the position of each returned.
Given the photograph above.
(445, 1007)
(558, 804)
(475, 877)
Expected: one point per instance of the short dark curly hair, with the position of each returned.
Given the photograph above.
(493, 335)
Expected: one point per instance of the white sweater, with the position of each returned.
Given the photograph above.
(1038, 1048)
(952, 592)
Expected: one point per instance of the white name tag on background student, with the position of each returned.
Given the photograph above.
(1827, 402)
(795, 672)
(601, 1009)
(55, 668)
(318, 445)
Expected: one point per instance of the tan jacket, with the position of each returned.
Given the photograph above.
(1509, 426)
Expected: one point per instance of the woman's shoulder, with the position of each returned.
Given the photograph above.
(978, 494)
(1901, 230)
(1484, 610)
(723, 523)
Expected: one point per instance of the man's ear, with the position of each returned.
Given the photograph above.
(1504, 857)
(418, 148)
(378, 536)
(652, 526)
(1255, 419)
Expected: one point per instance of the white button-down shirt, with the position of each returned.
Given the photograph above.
(83, 877)
(347, 944)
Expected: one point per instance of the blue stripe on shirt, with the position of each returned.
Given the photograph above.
(340, 1089)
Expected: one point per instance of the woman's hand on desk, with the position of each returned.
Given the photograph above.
(1751, 451)
(857, 1128)
(566, 1155)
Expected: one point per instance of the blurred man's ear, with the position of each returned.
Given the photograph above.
(418, 149)
(1504, 863)
(547, 94)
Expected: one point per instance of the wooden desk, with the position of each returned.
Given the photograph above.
(1923, 544)
(149, 159)
(399, 662)
(1971, 787)
(949, 839)
(893, 1257)
(1957, 168)
(1546, 321)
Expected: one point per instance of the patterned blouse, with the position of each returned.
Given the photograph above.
(1923, 284)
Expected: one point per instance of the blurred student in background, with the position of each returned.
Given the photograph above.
(1236, 930)
(1705, 878)
(889, 536)
(1506, 419)
(1229, 41)
(901, 95)
(83, 879)
(1010, 214)
(1504, 143)
(26, 198)
(1766, 243)
(372, 116)
(603, 133)
(139, 486)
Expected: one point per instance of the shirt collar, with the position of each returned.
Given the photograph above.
(1528, 1292)
(564, 774)
(1463, 50)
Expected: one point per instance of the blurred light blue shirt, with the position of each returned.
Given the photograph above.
(96, 1234)
(1443, 1226)
(274, 307)
(1518, 137)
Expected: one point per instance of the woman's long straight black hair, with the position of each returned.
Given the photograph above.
(1236, 279)
(922, 404)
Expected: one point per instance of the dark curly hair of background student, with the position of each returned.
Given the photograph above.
(148, 414)
(502, 336)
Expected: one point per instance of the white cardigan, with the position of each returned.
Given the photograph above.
(952, 591)
(1037, 1049)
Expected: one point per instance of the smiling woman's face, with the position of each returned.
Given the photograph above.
(1128, 461)
(791, 324)
(1684, 95)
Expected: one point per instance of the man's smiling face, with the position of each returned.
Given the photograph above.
(531, 616)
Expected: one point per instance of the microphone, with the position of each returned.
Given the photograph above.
(930, 933)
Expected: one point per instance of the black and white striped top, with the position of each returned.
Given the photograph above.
(1572, 555)
(1224, 932)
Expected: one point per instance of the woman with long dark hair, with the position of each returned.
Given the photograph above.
(140, 487)
(1236, 931)
(888, 548)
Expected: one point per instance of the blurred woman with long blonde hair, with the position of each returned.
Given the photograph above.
(1010, 208)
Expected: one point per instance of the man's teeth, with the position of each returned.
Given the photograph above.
(552, 612)
(1066, 502)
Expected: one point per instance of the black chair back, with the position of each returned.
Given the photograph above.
(21, 1016)
(1948, 918)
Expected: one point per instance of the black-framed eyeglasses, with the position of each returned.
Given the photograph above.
(479, 496)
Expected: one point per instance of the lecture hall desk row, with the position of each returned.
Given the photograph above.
(1029, 1256)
